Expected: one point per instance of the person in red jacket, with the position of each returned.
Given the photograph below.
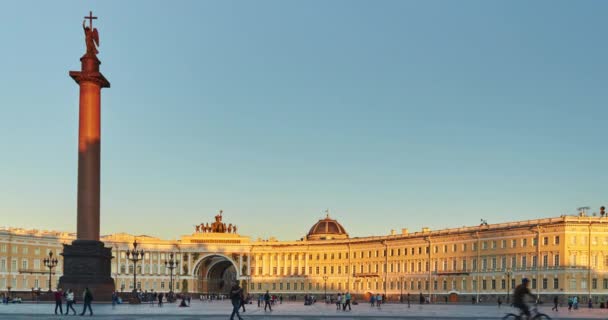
(58, 301)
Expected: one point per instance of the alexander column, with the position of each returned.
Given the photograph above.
(87, 262)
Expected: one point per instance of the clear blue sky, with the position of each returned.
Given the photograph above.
(391, 114)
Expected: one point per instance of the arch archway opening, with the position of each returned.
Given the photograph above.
(215, 275)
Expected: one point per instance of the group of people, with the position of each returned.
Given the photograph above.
(343, 300)
(70, 300)
(376, 300)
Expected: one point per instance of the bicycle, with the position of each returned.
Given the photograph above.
(534, 315)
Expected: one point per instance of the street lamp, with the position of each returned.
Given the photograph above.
(50, 263)
(171, 264)
(508, 273)
(325, 286)
(134, 256)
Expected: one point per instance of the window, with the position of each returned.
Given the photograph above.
(464, 264)
(534, 261)
(24, 264)
(524, 261)
(503, 244)
(2, 249)
(545, 281)
(454, 248)
(533, 283)
(546, 241)
(535, 241)
(25, 250)
(483, 284)
(503, 284)
(545, 261)
(493, 244)
(464, 247)
(556, 240)
(524, 242)
(605, 283)
(513, 262)
(513, 243)
(484, 245)
(593, 283)
(493, 284)
(555, 283)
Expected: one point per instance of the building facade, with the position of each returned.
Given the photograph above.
(564, 256)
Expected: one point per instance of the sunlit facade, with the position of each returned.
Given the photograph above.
(565, 255)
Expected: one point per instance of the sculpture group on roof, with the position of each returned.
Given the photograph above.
(216, 227)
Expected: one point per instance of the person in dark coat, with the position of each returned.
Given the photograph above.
(88, 298)
(236, 297)
(58, 303)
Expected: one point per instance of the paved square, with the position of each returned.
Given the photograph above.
(291, 311)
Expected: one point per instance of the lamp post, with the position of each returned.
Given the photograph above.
(9, 291)
(50, 263)
(134, 256)
(508, 273)
(325, 286)
(171, 264)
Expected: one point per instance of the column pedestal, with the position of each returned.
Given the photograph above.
(87, 264)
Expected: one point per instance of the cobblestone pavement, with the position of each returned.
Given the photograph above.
(288, 311)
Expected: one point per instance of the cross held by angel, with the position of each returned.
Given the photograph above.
(91, 35)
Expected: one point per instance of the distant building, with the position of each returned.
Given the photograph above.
(561, 256)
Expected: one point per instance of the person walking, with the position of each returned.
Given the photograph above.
(160, 299)
(267, 301)
(58, 303)
(338, 301)
(347, 298)
(555, 303)
(236, 297)
(372, 300)
(87, 297)
(69, 298)
(243, 300)
(499, 301)
(260, 298)
(378, 300)
(408, 300)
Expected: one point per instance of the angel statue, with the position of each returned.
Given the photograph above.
(91, 39)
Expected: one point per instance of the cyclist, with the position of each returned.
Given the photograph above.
(519, 296)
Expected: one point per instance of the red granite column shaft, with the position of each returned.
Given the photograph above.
(89, 153)
(90, 81)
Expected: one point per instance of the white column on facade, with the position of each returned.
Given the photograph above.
(270, 265)
(189, 263)
(158, 264)
(299, 264)
(240, 264)
(305, 263)
(292, 266)
(263, 264)
(249, 265)
(285, 271)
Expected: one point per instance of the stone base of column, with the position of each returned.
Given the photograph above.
(87, 264)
